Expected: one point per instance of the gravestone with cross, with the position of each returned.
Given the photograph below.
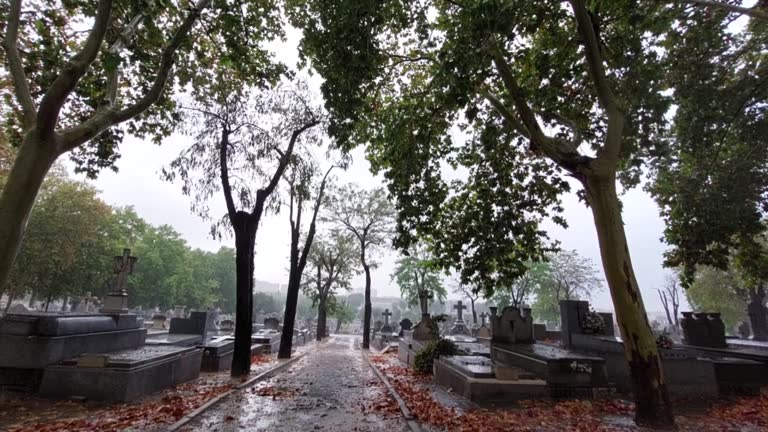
(483, 331)
(386, 328)
(459, 327)
(424, 297)
(116, 302)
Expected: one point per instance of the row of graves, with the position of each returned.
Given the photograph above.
(513, 358)
(116, 354)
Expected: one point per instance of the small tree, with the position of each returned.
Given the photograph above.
(369, 216)
(342, 311)
(570, 277)
(302, 189)
(669, 294)
(516, 293)
(333, 261)
(242, 137)
(417, 272)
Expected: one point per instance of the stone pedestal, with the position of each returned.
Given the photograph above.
(423, 329)
(115, 303)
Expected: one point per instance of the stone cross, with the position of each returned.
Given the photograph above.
(482, 318)
(124, 265)
(424, 297)
(460, 310)
(386, 314)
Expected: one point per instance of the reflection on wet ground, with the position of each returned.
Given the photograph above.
(326, 390)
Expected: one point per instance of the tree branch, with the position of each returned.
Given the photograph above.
(596, 71)
(16, 68)
(100, 121)
(224, 168)
(76, 67)
(752, 12)
(113, 76)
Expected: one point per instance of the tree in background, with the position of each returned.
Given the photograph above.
(267, 303)
(333, 261)
(520, 290)
(71, 85)
(568, 277)
(417, 272)
(304, 187)
(223, 270)
(368, 215)
(244, 142)
(342, 311)
(713, 289)
(669, 294)
(65, 250)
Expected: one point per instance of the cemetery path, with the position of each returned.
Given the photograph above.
(332, 388)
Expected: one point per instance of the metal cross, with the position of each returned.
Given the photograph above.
(459, 310)
(386, 314)
(483, 316)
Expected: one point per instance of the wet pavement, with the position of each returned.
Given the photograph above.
(329, 389)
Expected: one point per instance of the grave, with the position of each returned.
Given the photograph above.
(703, 330)
(98, 356)
(269, 335)
(121, 375)
(405, 324)
(386, 335)
(227, 326)
(414, 341)
(519, 368)
(483, 333)
(689, 371)
(190, 331)
(219, 350)
(459, 327)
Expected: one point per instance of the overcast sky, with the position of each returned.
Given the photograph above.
(138, 184)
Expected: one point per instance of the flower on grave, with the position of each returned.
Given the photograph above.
(664, 341)
(581, 367)
(593, 323)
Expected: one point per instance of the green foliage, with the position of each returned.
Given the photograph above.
(333, 263)
(519, 291)
(416, 272)
(714, 290)
(267, 303)
(426, 357)
(566, 276)
(712, 182)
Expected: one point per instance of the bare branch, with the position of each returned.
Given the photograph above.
(76, 67)
(15, 66)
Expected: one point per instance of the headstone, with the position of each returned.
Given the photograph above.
(572, 314)
(178, 311)
(272, 323)
(211, 328)
(512, 326)
(758, 316)
(703, 329)
(386, 328)
(744, 330)
(116, 301)
(459, 327)
(158, 322)
(483, 331)
(194, 325)
(86, 303)
(405, 325)
(227, 325)
(424, 297)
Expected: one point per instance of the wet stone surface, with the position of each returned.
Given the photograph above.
(325, 390)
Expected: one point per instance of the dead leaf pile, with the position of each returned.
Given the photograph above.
(259, 359)
(746, 410)
(275, 392)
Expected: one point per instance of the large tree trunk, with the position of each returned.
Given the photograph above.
(758, 314)
(245, 233)
(367, 311)
(33, 161)
(653, 407)
(289, 319)
(321, 315)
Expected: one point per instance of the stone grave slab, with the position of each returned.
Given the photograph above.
(122, 375)
(174, 339)
(218, 353)
(475, 349)
(557, 366)
(473, 366)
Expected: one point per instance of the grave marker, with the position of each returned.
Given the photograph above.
(116, 302)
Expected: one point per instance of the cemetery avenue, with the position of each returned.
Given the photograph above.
(367, 215)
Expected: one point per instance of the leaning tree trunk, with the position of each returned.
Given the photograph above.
(291, 304)
(34, 159)
(338, 325)
(367, 310)
(474, 313)
(653, 407)
(244, 245)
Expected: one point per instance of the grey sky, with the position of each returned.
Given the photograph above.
(138, 184)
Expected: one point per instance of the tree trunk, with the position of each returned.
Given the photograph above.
(48, 302)
(245, 234)
(33, 161)
(653, 407)
(8, 305)
(321, 314)
(367, 311)
(338, 325)
(758, 315)
(289, 319)
(474, 314)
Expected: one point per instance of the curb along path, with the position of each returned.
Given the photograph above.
(260, 377)
(413, 424)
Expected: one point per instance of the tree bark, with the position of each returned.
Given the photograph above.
(34, 159)
(338, 325)
(474, 314)
(291, 303)
(245, 235)
(367, 310)
(653, 407)
(758, 314)
(321, 323)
